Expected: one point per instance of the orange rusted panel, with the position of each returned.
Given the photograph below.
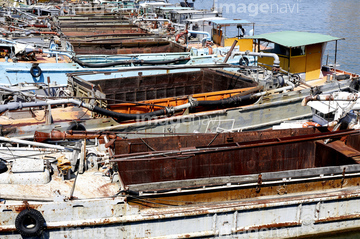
(157, 104)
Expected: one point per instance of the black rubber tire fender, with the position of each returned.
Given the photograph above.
(30, 222)
(243, 61)
(35, 71)
(3, 167)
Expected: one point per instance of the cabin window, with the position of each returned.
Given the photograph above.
(275, 48)
(298, 51)
(267, 46)
(281, 50)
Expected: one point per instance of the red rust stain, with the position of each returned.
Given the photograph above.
(244, 193)
(340, 218)
(19, 208)
(8, 230)
(105, 189)
(267, 226)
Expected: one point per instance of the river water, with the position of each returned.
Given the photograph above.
(337, 18)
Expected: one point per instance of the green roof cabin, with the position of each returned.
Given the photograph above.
(299, 52)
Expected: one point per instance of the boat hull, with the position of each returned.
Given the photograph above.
(267, 112)
(283, 216)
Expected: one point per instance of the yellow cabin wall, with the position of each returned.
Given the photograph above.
(313, 61)
(298, 64)
(266, 61)
(216, 36)
(244, 44)
(310, 63)
(284, 61)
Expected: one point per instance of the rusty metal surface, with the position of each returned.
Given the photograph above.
(102, 31)
(37, 116)
(195, 140)
(157, 104)
(111, 32)
(342, 148)
(26, 130)
(327, 155)
(353, 141)
(128, 46)
(159, 199)
(88, 26)
(70, 134)
(281, 216)
(169, 85)
(189, 161)
(214, 163)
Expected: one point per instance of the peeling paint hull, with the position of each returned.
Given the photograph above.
(287, 216)
(319, 197)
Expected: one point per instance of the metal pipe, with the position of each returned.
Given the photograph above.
(172, 110)
(290, 86)
(20, 105)
(20, 141)
(152, 19)
(125, 62)
(335, 51)
(285, 88)
(208, 36)
(8, 41)
(260, 54)
(17, 91)
(330, 97)
(58, 135)
(56, 52)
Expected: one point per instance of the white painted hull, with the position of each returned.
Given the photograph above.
(271, 217)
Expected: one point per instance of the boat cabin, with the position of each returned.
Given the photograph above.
(224, 33)
(164, 12)
(299, 52)
(181, 16)
(149, 8)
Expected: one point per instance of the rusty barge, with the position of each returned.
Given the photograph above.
(200, 177)
(273, 184)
